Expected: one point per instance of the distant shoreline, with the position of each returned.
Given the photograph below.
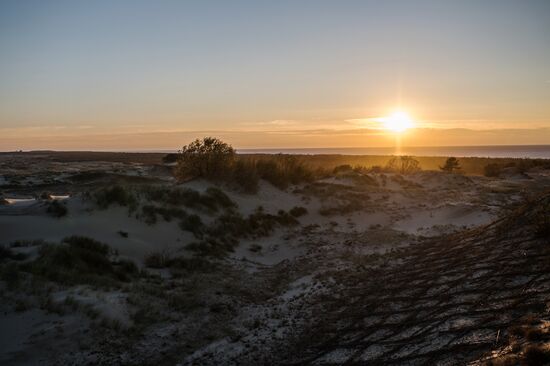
(482, 151)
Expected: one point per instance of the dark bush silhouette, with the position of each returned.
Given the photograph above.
(78, 260)
(209, 158)
(451, 164)
(193, 223)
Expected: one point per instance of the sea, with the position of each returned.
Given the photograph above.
(508, 151)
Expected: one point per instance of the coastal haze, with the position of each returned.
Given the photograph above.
(251, 183)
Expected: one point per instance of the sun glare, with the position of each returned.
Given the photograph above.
(398, 122)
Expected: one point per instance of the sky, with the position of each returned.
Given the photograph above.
(133, 74)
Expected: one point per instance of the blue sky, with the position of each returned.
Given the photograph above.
(89, 68)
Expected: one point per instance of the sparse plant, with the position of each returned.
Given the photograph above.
(255, 248)
(403, 164)
(298, 211)
(193, 223)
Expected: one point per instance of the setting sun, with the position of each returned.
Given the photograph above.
(398, 122)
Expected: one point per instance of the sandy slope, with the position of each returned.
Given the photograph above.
(256, 301)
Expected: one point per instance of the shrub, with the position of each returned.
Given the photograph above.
(403, 164)
(269, 170)
(115, 195)
(88, 244)
(208, 158)
(192, 223)
(149, 214)
(212, 247)
(283, 170)
(215, 197)
(451, 164)
(492, 170)
(255, 248)
(57, 209)
(345, 168)
(298, 211)
(285, 219)
(524, 165)
(212, 200)
(245, 176)
(77, 260)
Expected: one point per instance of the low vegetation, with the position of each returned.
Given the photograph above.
(403, 165)
(57, 209)
(492, 170)
(116, 194)
(224, 233)
(79, 260)
(212, 159)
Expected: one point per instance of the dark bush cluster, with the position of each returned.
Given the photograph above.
(451, 164)
(208, 158)
(192, 223)
(338, 198)
(212, 200)
(224, 233)
(116, 194)
(79, 260)
(212, 159)
(57, 209)
(150, 212)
